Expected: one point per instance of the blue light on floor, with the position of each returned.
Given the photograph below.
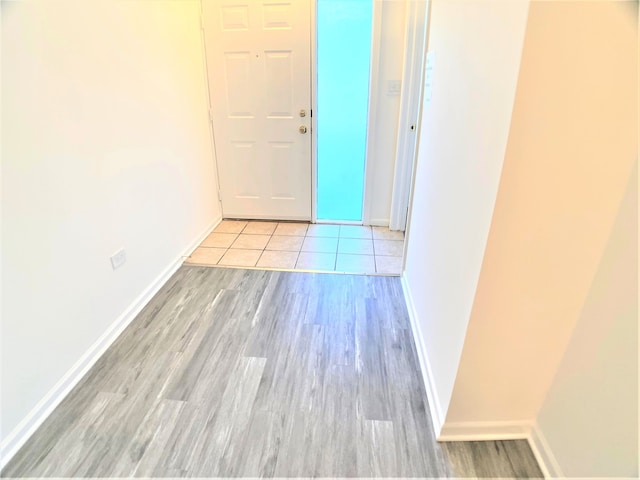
(344, 51)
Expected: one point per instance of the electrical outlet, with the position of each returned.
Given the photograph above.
(118, 259)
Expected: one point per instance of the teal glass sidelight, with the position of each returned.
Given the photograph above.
(344, 57)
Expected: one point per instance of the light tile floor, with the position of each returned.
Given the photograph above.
(302, 246)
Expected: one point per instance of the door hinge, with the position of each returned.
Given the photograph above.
(201, 22)
(311, 112)
(219, 196)
(211, 115)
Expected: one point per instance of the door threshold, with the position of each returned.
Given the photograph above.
(292, 270)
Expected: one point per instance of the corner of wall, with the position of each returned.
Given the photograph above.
(543, 453)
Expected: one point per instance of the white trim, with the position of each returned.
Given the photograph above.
(21, 433)
(477, 431)
(414, 166)
(314, 101)
(482, 431)
(210, 107)
(410, 101)
(435, 408)
(368, 192)
(544, 455)
(339, 222)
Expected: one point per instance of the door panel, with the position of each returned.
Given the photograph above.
(234, 17)
(244, 154)
(259, 67)
(280, 84)
(240, 103)
(282, 159)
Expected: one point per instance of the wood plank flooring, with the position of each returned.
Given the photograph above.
(250, 373)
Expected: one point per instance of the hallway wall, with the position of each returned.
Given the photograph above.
(536, 334)
(462, 140)
(569, 161)
(572, 146)
(589, 418)
(105, 144)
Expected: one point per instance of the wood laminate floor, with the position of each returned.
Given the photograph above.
(230, 372)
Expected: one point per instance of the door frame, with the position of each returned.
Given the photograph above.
(314, 101)
(414, 160)
(420, 50)
(410, 111)
(374, 88)
(374, 65)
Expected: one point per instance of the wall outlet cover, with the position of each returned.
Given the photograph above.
(118, 259)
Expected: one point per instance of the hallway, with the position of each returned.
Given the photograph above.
(231, 372)
(519, 268)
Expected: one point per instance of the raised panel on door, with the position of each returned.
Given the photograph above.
(281, 158)
(258, 61)
(278, 16)
(234, 17)
(246, 159)
(279, 84)
(238, 73)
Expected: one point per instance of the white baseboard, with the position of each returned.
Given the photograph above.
(21, 433)
(478, 431)
(543, 453)
(435, 408)
(200, 238)
(482, 431)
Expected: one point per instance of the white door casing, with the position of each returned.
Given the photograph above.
(406, 149)
(258, 61)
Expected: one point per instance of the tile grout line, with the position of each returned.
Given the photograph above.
(299, 251)
(375, 262)
(295, 264)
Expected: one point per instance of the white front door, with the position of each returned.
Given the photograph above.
(259, 68)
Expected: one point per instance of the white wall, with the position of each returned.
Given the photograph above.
(572, 146)
(462, 140)
(590, 415)
(384, 131)
(105, 144)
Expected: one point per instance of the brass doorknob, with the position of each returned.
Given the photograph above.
(302, 129)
